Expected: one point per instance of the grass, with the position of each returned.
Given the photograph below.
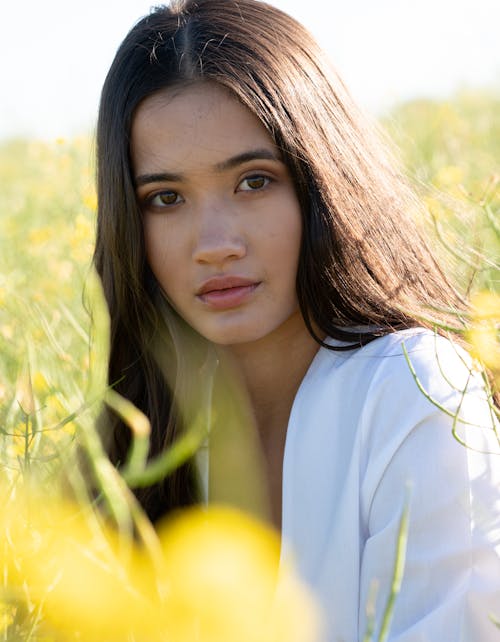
(451, 151)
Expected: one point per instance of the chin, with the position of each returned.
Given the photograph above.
(238, 332)
(235, 336)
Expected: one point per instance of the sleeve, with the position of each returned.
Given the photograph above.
(450, 587)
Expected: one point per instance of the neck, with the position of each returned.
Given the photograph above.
(272, 370)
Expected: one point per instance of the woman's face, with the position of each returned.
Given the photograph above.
(222, 222)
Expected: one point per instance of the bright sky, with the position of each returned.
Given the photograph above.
(55, 53)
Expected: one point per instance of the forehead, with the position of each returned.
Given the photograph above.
(193, 125)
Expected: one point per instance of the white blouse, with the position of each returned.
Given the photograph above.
(363, 442)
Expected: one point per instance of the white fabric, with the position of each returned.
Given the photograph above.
(360, 433)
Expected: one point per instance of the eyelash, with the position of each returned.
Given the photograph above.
(254, 177)
(150, 201)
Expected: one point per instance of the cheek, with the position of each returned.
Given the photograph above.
(161, 252)
(287, 236)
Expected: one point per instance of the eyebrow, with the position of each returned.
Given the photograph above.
(245, 157)
(229, 163)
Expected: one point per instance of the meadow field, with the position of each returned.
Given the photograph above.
(52, 376)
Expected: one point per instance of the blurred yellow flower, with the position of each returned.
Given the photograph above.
(7, 331)
(83, 228)
(436, 208)
(62, 270)
(17, 445)
(225, 582)
(81, 239)
(89, 199)
(7, 614)
(40, 235)
(486, 306)
(40, 385)
(449, 176)
(52, 403)
(217, 578)
(484, 332)
(85, 579)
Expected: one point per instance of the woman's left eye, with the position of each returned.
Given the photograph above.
(253, 183)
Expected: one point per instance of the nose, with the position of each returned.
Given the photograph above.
(217, 238)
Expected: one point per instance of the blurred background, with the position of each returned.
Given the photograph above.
(55, 53)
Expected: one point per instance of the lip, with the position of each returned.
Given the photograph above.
(224, 292)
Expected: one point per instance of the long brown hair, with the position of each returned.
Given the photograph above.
(363, 261)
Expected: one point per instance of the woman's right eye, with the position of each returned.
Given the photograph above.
(163, 199)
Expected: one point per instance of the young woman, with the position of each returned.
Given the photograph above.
(247, 210)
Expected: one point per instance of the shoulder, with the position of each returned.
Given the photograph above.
(426, 420)
(390, 387)
(412, 385)
(422, 375)
(415, 363)
(418, 355)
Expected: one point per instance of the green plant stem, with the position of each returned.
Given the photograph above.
(162, 465)
(453, 415)
(397, 576)
(109, 482)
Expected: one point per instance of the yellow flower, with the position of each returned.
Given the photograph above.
(81, 239)
(7, 614)
(216, 578)
(17, 445)
(40, 385)
(436, 208)
(83, 228)
(85, 579)
(40, 235)
(449, 176)
(89, 199)
(222, 569)
(486, 306)
(62, 270)
(53, 406)
(7, 331)
(484, 332)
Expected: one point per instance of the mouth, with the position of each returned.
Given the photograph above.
(221, 293)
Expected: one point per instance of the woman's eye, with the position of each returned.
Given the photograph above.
(163, 199)
(253, 183)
